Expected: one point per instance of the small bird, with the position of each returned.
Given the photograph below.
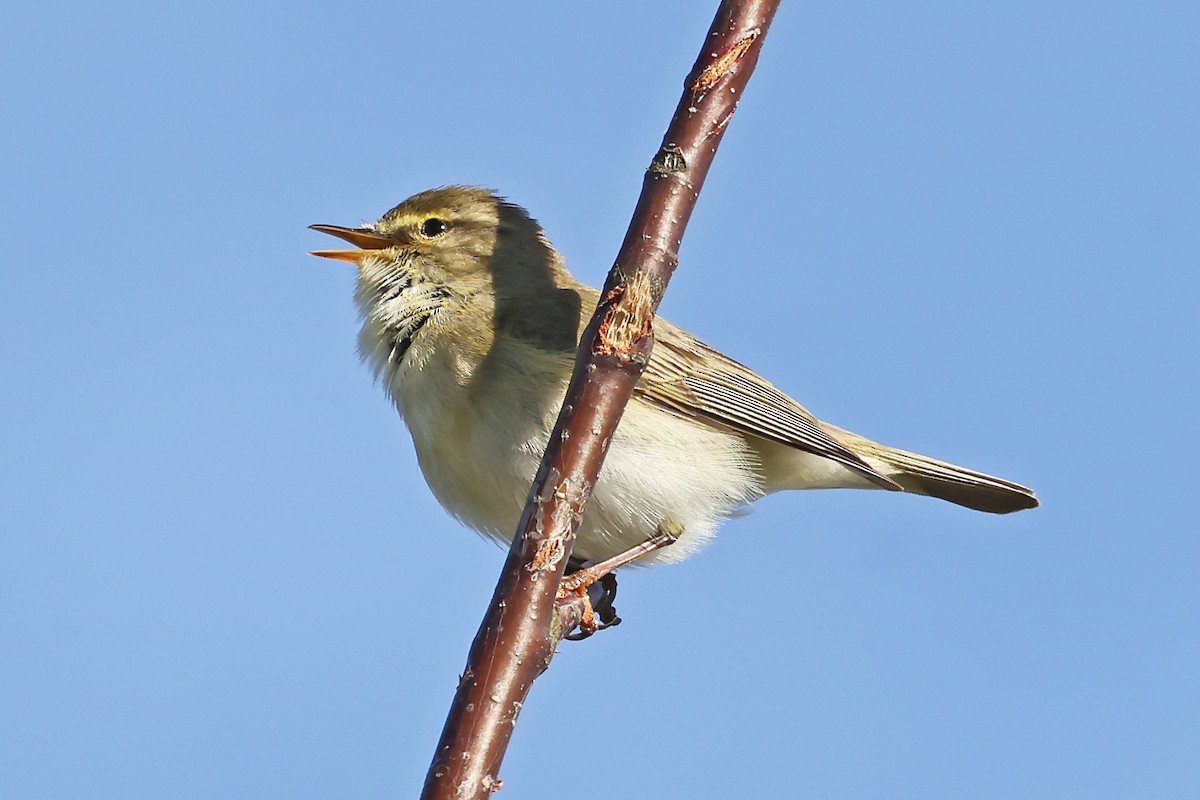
(470, 320)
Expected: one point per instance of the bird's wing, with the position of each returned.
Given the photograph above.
(689, 377)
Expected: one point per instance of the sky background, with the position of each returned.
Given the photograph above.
(965, 229)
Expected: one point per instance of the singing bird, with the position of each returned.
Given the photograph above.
(470, 320)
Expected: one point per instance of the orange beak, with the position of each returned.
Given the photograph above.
(365, 238)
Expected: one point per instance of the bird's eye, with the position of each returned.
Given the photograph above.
(434, 227)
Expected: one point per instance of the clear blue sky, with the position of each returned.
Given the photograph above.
(967, 229)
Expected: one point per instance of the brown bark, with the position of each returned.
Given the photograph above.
(524, 623)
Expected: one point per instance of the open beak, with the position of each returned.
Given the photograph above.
(364, 238)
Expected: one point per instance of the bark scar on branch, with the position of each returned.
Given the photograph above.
(725, 62)
(719, 128)
(629, 319)
(549, 553)
(669, 160)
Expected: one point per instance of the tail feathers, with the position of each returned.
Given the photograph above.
(923, 475)
(965, 487)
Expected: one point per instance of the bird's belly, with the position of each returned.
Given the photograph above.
(666, 471)
(479, 460)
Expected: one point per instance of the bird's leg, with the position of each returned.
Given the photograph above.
(578, 582)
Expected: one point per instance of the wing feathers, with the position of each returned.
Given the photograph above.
(688, 376)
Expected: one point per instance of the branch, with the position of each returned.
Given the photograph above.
(524, 624)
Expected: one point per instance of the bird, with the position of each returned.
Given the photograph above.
(470, 321)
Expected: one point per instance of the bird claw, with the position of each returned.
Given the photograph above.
(600, 614)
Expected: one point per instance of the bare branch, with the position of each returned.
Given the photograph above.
(524, 623)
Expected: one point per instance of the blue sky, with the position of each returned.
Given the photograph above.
(965, 229)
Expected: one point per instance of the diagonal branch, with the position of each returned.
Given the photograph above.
(523, 623)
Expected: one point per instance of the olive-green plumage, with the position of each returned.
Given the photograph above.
(471, 320)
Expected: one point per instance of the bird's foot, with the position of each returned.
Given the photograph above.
(598, 611)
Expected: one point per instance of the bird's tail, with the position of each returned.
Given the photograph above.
(923, 475)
